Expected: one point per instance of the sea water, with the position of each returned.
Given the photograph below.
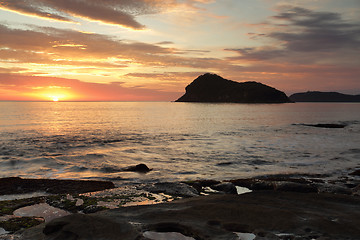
(179, 141)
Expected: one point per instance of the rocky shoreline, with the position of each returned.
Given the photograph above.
(296, 206)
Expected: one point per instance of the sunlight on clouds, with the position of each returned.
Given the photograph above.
(52, 93)
(80, 46)
(46, 17)
(151, 47)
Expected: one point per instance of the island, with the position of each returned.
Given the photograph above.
(215, 89)
(316, 96)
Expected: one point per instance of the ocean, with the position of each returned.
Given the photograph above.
(179, 141)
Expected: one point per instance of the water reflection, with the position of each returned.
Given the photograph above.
(180, 141)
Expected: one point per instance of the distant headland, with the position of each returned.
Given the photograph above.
(213, 88)
(315, 96)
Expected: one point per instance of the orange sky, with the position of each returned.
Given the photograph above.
(149, 50)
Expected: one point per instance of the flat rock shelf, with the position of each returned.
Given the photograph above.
(266, 214)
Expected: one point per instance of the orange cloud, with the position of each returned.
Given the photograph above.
(312, 51)
(118, 12)
(68, 47)
(16, 87)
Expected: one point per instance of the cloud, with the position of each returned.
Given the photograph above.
(300, 49)
(256, 54)
(301, 35)
(119, 12)
(11, 70)
(310, 31)
(165, 43)
(46, 51)
(294, 49)
(45, 45)
(51, 44)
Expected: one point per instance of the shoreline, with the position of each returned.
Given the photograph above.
(82, 198)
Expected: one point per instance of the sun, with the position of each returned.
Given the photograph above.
(55, 99)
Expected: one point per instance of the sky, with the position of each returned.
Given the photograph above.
(150, 50)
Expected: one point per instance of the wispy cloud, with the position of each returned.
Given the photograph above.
(119, 12)
(302, 35)
(311, 31)
(69, 47)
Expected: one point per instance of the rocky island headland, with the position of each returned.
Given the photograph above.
(316, 96)
(212, 88)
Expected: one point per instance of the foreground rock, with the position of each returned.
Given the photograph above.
(79, 226)
(176, 189)
(16, 185)
(302, 183)
(267, 214)
(213, 88)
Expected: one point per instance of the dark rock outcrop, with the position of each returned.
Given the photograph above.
(356, 173)
(295, 187)
(226, 187)
(142, 168)
(81, 226)
(213, 88)
(171, 188)
(315, 96)
(16, 185)
(325, 125)
(264, 213)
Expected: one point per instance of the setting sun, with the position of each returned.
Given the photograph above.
(55, 99)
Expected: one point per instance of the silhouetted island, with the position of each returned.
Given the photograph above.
(315, 96)
(213, 88)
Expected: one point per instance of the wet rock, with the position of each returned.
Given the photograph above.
(213, 217)
(15, 224)
(296, 178)
(280, 182)
(356, 173)
(172, 188)
(264, 235)
(254, 184)
(262, 185)
(166, 235)
(295, 187)
(142, 168)
(224, 164)
(356, 190)
(326, 125)
(243, 182)
(335, 189)
(200, 184)
(225, 187)
(15, 185)
(207, 182)
(80, 226)
(42, 210)
(93, 209)
(8, 207)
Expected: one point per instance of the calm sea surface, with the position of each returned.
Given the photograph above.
(180, 141)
